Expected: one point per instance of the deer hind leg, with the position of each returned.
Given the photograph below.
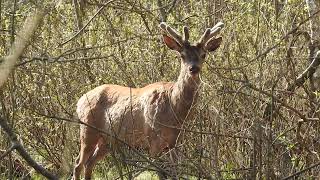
(88, 143)
(98, 154)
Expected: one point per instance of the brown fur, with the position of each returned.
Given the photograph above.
(148, 117)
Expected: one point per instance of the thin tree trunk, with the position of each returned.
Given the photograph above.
(17, 48)
(12, 85)
(80, 14)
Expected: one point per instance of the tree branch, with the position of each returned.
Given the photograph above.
(91, 19)
(306, 74)
(13, 147)
(269, 109)
(21, 150)
(18, 47)
(302, 171)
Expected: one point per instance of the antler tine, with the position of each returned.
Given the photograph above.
(205, 36)
(185, 33)
(215, 30)
(171, 32)
(163, 26)
(218, 25)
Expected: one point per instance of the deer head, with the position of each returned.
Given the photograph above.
(192, 55)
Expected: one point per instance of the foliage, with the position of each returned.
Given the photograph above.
(122, 45)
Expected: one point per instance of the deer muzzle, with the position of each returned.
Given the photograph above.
(194, 69)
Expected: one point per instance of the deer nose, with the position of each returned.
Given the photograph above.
(194, 69)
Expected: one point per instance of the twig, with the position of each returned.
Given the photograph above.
(272, 47)
(278, 100)
(91, 19)
(13, 20)
(21, 150)
(163, 16)
(12, 147)
(207, 133)
(61, 59)
(285, 36)
(302, 171)
(296, 84)
(174, 2)
(306, 74)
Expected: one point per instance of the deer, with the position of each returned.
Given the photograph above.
(150, 117)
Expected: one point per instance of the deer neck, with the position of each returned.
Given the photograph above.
(184, 94)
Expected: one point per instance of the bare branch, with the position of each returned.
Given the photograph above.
(21, 150)
(19, 44)
(91, 19)
(279, 100)
(13, 147)
(8, 63)
(293, 176)
(306, 74)
(269, 109)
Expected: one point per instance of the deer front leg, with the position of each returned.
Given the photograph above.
(171, 165)
(174, 162)
(169, 138)
(155, 150)
(164, 142)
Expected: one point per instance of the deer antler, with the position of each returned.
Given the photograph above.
(174, 34)
(209, 33)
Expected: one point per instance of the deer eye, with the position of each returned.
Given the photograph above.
(182, 56)
(202, 56)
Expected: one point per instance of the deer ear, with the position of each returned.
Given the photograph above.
(171, 43)
(213, 44)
